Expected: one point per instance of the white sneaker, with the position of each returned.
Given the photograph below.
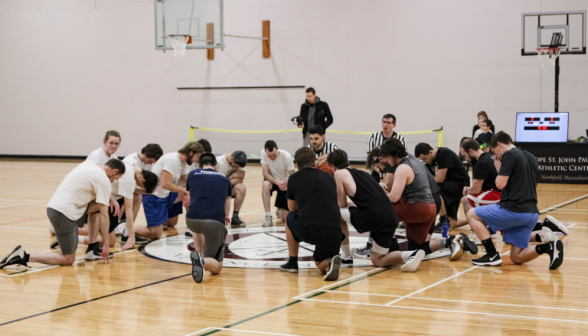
(268, 221)
(474, 238)
(413, 261)
(547, 235)
(278, 213)
(121, 229)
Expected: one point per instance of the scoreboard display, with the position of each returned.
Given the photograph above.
(542, 127)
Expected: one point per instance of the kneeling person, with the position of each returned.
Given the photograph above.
(210, 203)
(315, 217)
(232, 164)
(371, 211)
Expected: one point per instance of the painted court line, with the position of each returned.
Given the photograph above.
(335, 284)
(561, 205)
(21, 228)
(448, 311)
(240, 330)
(460, 301)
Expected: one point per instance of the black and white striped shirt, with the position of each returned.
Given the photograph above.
(328, 147)
(377, 139)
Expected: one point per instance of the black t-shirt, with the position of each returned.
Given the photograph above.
(484, 169)
(315, 192)
(446, 158)
(520, 193)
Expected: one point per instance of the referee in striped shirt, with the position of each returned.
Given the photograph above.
(321, 147)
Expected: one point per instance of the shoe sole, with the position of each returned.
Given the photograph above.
(4, 261)
(333, 272)
(496, 262)
(197, 268)
(555, 264)
(289, 270)
(472, 247)
(362, 256)
(412, 265)
(562, 228)
(457, 253)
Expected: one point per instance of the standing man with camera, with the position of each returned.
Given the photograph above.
(314, 112)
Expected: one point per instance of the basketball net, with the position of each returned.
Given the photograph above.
(548, 55)
(179, 43)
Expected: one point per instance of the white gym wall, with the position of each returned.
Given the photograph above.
(72, 69)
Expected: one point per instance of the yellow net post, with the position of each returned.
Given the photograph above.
(191, 133)
(440, 138)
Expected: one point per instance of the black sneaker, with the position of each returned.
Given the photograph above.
(236, 222)
(554, 225)
(347, 261)
(556, 254)
(197, 266)
(363, 252)
(486, 260)
(188, 233)
(54, 244)
(138, 239)
(16, 257)
(333, 269)
(469, 245)
(95, 253)
(288, 267)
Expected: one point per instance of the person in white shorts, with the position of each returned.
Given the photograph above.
(84, 190)
(161, 206)
(277, 165)
(232, 164)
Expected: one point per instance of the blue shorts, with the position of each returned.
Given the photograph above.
(158, 210)
(517, 226)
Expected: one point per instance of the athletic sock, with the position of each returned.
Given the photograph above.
(542, 248)
(81, 239)
(446, 242)
(537, 238)
(406, 255)
(345, 252)
(426, 247)
(92, 246)
(293, 260)
(489, 245)
(26, 257)
(268, 214)
(235, 213)
(538, 226)
(370, 240)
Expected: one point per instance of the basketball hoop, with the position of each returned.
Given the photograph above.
(179, 43)
(548, 55)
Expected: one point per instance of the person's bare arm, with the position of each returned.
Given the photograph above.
(321, 159)
(290, 172)
(167, 184)
(400, 178)
(237, 177)
(341, 193)
(476, 187)
(389, 180)
(228, 210)
(501, 181)
(440, 177)
(292, 205)
(267, 175)
(104, 223)
(182, 180)
(130, 224)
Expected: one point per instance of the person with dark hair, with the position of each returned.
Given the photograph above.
(321, 147)
(84, 190)
(210, 205)
(376, 140)
(146, 157)
(375, 163)
(232, 164)
(206, 145)
(110, 145)
(313, 112)
(370, 210)
(414, 203)
(164, 206)
(484, 138)
(277, 166)
(482, 115)
(451, 176)
(314, 216)
(517, 212)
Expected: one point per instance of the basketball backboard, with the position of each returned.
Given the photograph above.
(538, 31)
(200, 19)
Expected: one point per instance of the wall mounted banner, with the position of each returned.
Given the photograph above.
(565, 163)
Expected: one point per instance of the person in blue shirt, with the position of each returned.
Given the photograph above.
(210, 203)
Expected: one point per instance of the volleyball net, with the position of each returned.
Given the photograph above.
(251, 142)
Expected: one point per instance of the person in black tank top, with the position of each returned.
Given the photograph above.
(371, 211)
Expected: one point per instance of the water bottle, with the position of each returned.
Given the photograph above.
(445, 229)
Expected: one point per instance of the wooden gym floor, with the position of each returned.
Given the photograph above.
(138, 295)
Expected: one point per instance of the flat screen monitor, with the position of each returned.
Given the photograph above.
(542, 127)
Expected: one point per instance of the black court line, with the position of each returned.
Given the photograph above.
(92, 300)
(295, 302)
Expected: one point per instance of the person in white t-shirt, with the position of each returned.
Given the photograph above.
(161, 206)
(86, 189)
(143, 159)
(277, 165)
(232, 164)
(101, 155)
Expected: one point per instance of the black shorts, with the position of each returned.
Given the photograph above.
(437, 199)
(281, 199)
(452, 192)
(383, 238)
(326, 240)
(114, 219)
